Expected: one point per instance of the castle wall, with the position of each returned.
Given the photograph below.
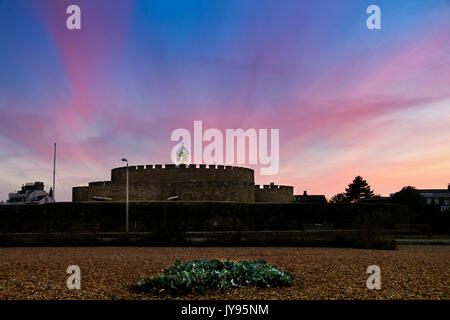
(210, 191)
(192, 183)
(274, 193)
(167, 173)
(80, 194)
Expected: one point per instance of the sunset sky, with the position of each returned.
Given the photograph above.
(347, 100)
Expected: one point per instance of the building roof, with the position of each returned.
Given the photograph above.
(434, 190)
(310, 198)
(183, 150)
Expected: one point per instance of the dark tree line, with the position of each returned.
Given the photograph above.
(419, 211)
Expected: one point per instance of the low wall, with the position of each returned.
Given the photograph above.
(168, 218)
(334, 238)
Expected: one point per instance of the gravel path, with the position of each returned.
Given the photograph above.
(412, 272)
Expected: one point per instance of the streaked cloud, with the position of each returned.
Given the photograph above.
(347, 100)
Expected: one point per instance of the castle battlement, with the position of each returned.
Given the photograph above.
(182, 166)
(273, 193)
(193, 182)
(272, 186)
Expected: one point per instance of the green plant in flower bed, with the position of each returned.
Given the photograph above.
(203, 275)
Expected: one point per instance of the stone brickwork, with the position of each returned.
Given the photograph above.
(80, 194)
(274, 193)
(188, 182)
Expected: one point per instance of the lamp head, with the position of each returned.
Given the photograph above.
(124, 159)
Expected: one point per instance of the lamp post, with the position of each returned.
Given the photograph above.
(126, 210)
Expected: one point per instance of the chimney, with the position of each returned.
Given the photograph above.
(449, 186)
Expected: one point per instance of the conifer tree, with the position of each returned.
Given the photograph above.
(359, 189)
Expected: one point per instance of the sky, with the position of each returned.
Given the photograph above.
(347, 100)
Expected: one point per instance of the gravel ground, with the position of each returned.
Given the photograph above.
(412, 272)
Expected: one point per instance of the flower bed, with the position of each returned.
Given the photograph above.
(203, 275)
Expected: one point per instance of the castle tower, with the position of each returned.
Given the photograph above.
(183, 156)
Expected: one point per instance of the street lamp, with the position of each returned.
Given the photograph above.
(126, 219)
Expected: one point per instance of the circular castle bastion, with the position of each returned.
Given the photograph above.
(185, 182)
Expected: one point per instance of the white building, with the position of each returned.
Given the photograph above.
(30, 193)
(183, 156)
(437, 197)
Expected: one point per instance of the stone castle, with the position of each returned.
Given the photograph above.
(188, 182)
(183, 181)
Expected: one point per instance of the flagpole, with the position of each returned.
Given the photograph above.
(54, 169)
